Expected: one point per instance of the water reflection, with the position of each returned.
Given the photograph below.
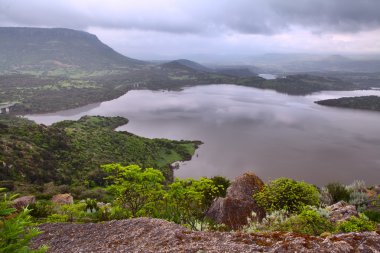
(251, 129)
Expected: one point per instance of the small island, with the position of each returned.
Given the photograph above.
(364, 103)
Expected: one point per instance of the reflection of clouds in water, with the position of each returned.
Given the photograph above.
(373, 140)
(337, 94)
(278, 135)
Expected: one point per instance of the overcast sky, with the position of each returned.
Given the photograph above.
(163, 29)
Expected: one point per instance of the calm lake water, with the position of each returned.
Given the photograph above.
(271, 134)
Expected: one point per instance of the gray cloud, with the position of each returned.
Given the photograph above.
(163, 29)
(197, 16)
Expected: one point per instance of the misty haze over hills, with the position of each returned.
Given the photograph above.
(45, 49)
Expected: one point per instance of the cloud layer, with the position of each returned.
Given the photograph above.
(211, 20)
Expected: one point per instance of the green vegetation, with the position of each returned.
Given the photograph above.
(287, 194)
(299, 84)
(309, 221)
(371, 103)
(372, 215)
(16, 229)
(136, 190)
(357, 224)
(338, 192)
(71, 152)
(144, 193)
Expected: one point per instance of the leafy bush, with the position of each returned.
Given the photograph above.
(372, 215)
(222, 184)
(137, 190)
(287, 194)
(91, 205)
(338, 192)
(357, 224)
(187, 200)
(358, 199)
(15, 229)
(309, 221)
(41, 209)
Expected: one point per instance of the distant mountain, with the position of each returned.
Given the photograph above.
(36, 49)
(186, 64)
(236, 71)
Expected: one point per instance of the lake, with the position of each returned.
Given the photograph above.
(247, 129)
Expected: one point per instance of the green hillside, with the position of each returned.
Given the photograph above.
(72, 151)
(49, 50)
(371, 103)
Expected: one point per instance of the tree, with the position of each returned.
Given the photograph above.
(287, 194)
(187, 200)
(137, 190)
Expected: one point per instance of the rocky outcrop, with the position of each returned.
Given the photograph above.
(153, 235)
(63, 199)
(22, 202)
(238, 205)
(341, 211)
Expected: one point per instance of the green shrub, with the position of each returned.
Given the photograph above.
(325, 197)
(270, 223)
(41, 209)
(187, 200)
(15, 229)
(56, 217)
(338, 192)
(91, 205)
(287, 194)
(74, 212)
(372, 215)
(358, 199)
(137, 190)
(119, 213)
(307, 222)
(222, 184)
(357, 224)
(357, 186)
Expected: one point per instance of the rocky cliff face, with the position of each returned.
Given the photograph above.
(153, 235)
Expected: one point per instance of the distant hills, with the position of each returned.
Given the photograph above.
(315, 62)
(41, 49)
(50, 69)
(371, 103)
(183, 63)
(235, 71)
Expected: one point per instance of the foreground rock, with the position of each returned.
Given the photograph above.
(341, 211)
(24, 201)
(153, 235)
(63, 199)
(238, 205)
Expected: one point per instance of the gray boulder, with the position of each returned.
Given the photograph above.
(24, 201)
(341, 211)
(63, 199)
(238, 205)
